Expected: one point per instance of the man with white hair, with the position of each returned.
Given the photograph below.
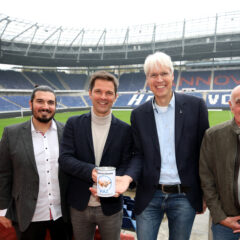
(219, 172)
(167, 132)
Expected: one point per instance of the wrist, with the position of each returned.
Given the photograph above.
(128, 178)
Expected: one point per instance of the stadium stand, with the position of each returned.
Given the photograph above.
(71, 101)
(210, 68)
(226, 79)
(217, 100)
(131, 82)
(197, 83)
(198, 80)
(22, 101)
(35, 78)
(6, 105)
(74, 81)
(53, 80)
(13, 80)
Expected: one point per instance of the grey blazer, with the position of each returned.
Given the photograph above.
(219, 170)
(19, 180)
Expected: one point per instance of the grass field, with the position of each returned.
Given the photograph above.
(215, 117)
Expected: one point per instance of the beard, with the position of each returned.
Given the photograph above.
(43, 119)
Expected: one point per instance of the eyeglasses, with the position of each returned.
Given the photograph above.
(162, 75)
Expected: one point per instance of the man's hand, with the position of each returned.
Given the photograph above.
(5, 222)
(232, 222)
(204, 207)
(121, 185)
(94, 175)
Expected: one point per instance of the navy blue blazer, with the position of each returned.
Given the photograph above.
(77, 159)
(191, 121)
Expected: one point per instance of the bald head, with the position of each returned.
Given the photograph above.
(234, 104)
(235, 95)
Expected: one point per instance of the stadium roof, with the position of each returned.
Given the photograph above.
(32, 44)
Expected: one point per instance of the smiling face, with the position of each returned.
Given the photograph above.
(43, 106)
(160, 80)
(102, 96)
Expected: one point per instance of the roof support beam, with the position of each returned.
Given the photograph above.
(125, 43)
(103, 36)
(80, 46)
(51, 35)
(6, 25)
(81, 32)
(23, 31)
(183, 38)
(56, 46)
(153, 38)
(29, 45)
(215, 35)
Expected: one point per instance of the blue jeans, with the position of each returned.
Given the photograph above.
(179, 212)
(221, 232)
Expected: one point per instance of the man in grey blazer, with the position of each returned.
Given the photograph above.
(219, 173)
(32, 189)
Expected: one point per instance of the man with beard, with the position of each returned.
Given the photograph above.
(32, 189)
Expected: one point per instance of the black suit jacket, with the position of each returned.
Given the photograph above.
(77, 159)
(19, 180)
(191, 121)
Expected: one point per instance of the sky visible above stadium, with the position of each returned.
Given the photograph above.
(112, 13)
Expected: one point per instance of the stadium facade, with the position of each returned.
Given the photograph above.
(206, 53)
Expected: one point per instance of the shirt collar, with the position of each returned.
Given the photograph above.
(52, 127)
(157, 108)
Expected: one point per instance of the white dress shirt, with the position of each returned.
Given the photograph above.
(46, 152)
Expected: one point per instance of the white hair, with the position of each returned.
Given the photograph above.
(158, 58)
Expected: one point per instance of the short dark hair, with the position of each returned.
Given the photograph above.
(42, 88)
(105, 76)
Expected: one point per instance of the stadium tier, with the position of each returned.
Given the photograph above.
(73, 81)
(197, 80)
(214, 100)
(14, 80)
(27, 80)
(131, 82)
(226, 79)
(128, 82)
(213, 86)
(71, 101)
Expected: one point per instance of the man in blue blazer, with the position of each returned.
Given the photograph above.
(168, 132)
(95, 139)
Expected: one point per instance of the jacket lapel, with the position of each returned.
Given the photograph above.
(179, 118)
(151, 126)
(28, 144)
(59, 131)
(88, 128)
(111, 134)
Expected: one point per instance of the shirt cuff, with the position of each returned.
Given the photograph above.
(3, 212)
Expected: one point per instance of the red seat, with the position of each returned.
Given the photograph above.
(10, 234)
(7, 233)
(123, 236)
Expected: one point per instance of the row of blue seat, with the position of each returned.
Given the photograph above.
(224, 79)
(129, 221)
(11, 103)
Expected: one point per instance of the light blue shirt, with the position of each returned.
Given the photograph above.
(165, 122)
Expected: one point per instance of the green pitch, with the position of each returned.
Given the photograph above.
(215, 117)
